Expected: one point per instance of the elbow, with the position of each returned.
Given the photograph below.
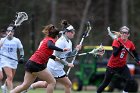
(49, 47)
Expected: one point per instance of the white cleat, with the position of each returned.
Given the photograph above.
(124, 92)
(4, 89)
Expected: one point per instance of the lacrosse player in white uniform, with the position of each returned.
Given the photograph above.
(1, 73)
(56, 67)
(2, 35)
(9, 60)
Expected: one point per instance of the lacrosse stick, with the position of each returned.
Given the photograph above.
(8, 57)
(98, 51)
(83, 37)
(20, 17)
(115, 37)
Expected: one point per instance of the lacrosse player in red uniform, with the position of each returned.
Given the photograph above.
(57, 67)
(36, 65)
(117, 61)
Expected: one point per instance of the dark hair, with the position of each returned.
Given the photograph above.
(51, 31)
(64, 24)
(3, 29)
(66, 27)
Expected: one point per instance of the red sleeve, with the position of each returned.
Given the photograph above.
(115, 43)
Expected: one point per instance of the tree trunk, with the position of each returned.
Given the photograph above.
(124, 12)
(85, 12)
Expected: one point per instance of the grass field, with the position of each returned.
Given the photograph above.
(60, 91)
(56, 91)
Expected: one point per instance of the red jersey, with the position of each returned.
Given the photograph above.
(120, 59)
(43, 53)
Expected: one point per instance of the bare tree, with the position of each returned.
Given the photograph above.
(124, 12)
(85, 12)
(53, 9)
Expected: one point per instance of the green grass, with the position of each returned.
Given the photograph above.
(62, 91)
(55, 91)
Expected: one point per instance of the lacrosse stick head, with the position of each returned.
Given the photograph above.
(98, 51)
(113, 36)
(20, 17)
(88, 28)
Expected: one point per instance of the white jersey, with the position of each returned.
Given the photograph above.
(62, 43)
(9, 52)
(0, 61)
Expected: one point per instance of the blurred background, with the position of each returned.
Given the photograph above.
(101, 14)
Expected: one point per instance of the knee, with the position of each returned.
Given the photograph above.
(45, 84)
(52, 82)
(9, 77)
(69, 85)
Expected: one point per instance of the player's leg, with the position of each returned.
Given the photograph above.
(66, 82)
(1, 76)
(39, 84)
(9, 74)
(28, 80)
(48, 77)
(126, 75)
(108, 76)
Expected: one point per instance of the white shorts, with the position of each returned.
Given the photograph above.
(5, 62)
(56, 73)
(0, 69)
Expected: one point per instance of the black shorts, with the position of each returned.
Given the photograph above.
(60, 76)
(31, 66)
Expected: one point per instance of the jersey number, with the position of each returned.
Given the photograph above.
(10, 49)
(122, 54)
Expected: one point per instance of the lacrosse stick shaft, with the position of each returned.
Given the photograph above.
(81, 54)
(1, 43)
(85, 35)
(8, 57)
(128, 51)
(75, 56)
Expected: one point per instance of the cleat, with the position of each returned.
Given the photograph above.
(4, 89)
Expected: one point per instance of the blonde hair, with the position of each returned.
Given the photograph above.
(124, 28)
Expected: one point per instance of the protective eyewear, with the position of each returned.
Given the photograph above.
(125, 33)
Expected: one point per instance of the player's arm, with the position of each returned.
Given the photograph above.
(116, 50)
(117, 47)
(21, 59)
(59, 59)
(52, 46)
(78, 47)
(136, 55)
